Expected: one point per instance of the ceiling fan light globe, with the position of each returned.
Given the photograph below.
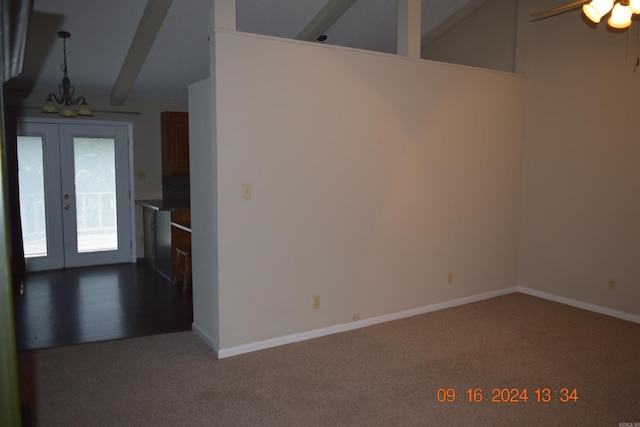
(635, 6)
(620, 16)
(591, 13)
(597, 9)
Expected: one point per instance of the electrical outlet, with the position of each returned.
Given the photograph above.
(316, 302)
(612, 284)
(450, 278)
(356, 317)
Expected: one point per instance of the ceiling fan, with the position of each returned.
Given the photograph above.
(621, 11)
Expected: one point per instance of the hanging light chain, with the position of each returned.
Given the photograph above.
(66, 91)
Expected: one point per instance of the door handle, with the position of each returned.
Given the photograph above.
(67, 207)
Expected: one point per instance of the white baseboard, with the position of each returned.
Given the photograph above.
(205, 337)
(316, 333)
(580, 304)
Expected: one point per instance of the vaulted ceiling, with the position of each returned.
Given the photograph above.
(102, 34)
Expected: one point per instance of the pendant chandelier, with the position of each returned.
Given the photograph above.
(621, 11)
(69, 106)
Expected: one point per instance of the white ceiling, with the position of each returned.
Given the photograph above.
(101, 32)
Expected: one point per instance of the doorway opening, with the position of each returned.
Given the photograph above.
(75, 193)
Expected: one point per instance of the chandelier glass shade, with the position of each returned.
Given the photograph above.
(64, 102)
(621, 11)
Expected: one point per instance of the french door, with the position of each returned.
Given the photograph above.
(74, 181)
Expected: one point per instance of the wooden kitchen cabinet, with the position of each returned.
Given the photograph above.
(175, 143)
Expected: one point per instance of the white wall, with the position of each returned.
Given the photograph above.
(581, 210)
(373, 176)
(147, 162)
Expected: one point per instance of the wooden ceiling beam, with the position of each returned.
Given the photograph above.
(451, 21)
(151, 21)
(324, 19)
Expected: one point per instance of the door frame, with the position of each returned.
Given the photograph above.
(129, 126)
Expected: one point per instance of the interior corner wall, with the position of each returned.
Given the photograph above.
(486, 38)
(372, 176)
(581, 210)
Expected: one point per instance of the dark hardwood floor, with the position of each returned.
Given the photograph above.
(80, 305)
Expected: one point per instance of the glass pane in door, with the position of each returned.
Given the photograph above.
(95, 186)
(32, 200)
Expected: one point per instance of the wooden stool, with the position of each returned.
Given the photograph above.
(185, 271)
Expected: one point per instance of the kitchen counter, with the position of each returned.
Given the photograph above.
(157, 216)
(167, 226)
(166, 205)
(184, 225)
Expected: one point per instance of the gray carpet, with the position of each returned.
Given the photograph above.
(383, 375)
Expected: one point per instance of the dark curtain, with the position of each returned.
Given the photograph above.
(15, 21)
(10, 148)
(14, 16)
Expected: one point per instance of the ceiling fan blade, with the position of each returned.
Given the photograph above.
(560, 8)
